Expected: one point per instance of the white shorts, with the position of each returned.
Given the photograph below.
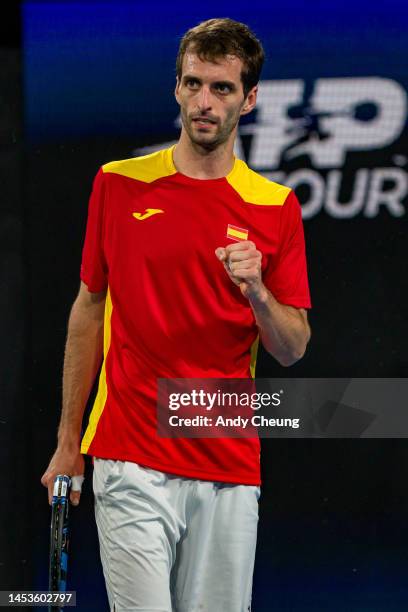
(172, 544)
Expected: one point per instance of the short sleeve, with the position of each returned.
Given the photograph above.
(94, 270)
(286, 275)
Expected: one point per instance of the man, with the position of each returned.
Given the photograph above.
(188, 257)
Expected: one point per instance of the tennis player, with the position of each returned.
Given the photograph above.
(189, 257)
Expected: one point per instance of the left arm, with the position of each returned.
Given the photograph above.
(284, 330)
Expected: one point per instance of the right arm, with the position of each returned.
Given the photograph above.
(83, 356)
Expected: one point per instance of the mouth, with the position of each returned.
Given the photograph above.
(203, 122)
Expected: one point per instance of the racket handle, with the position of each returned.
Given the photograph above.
(61, 487)
(59, 536)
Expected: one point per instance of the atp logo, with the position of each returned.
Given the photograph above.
(328, 121)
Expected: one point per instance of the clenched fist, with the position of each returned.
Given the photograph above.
(242, 262)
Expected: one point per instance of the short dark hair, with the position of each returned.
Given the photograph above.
(216, 38)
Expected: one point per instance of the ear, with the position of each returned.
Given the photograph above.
(250, 101)
(176, 90)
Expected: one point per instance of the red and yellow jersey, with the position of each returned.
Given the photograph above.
(171, 309)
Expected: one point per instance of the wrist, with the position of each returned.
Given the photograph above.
(260, 297)
(69, 441)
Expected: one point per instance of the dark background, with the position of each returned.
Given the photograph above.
(332, 533)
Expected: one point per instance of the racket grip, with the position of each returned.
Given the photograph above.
(62, 483)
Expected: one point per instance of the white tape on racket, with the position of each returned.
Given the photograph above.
(76, 483)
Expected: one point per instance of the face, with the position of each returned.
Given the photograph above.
(211, 99)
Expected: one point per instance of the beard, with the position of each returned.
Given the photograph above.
(217, 137)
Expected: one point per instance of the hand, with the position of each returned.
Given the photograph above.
(242, 262)
(64, 461)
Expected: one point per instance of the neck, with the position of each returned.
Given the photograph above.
(197, 162)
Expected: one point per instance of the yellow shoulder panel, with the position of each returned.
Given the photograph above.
(254, 188)
(147, 168)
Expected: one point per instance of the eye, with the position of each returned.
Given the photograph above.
(192, 83)
(223, 88)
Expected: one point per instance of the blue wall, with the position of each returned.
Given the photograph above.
(108, 67)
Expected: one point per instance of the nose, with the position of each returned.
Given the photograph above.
(204, 98)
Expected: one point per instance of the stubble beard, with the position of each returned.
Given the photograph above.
(221, 135)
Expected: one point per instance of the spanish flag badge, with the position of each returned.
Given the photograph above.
(237, 233)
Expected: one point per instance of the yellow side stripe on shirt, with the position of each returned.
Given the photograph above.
(254, 355)
(102, 394)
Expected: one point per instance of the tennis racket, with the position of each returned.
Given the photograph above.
(59, 537)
